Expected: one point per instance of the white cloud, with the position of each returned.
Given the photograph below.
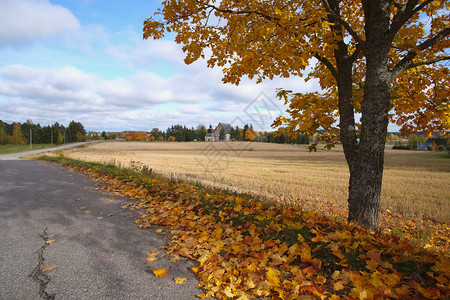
(138, 101)
(139, 53)
(23, 21)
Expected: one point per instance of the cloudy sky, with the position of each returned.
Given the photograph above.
(85, 60)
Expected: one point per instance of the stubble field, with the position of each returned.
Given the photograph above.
(415, 183)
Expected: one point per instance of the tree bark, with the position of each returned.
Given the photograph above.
(366, 174)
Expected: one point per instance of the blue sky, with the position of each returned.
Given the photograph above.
(85, 60)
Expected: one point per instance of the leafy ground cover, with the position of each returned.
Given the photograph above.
(6, 149)
(248, 248)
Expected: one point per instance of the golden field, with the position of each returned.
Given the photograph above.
(415, 183)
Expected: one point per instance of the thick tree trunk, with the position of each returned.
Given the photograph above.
(366, 171)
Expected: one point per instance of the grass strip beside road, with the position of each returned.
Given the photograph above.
(247, 248)
(8, 149)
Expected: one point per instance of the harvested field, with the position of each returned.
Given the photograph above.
(415, 183)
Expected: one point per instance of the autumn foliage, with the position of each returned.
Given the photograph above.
(136, 136)
(376, 61)
(246, 248)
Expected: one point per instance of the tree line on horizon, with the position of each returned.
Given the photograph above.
(22, 133)
(182, 133)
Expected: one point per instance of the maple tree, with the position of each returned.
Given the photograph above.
(250, 135)
(136, 136)
(381, 59)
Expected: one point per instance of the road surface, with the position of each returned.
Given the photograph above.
(51, 249)
(15, 156)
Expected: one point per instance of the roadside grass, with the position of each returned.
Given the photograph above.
(7, 149)
(247, 248)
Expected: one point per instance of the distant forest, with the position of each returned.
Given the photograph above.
(19, 134)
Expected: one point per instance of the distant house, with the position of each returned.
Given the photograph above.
(214, 135)
(210, 137)
(424, 146)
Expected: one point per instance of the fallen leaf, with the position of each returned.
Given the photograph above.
(160, 272)
(78, 199)
(158, 230)
(153, 258)
(180, 280)
(272, 276)
(337, 286)
(49, 241)
(100, 218)
(87, 212)
(83, 207)
(48, 268)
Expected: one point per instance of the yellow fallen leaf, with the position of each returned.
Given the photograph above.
(242, 296)
(227, 291)
(49, 241)
(160, 272)
(153, 253)
(83, 207)
(48, 268)
(78, 199)
(337, 286)
(180, 280)
(100, 218)
(152, 258)
(87, 212)
(250, 283)
(158, 230)
(272, 276)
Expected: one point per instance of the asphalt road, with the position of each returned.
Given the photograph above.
(42, 226)
(15, 156)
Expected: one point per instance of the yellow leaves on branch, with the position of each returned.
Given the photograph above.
(266, 39)
(247, 249)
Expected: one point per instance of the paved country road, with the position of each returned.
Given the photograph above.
(42, 227)
(14, 156)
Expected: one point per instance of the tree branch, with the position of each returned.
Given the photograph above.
(435, 39)
(430, 62)
(337, 18)
(356, 53)
(240, 12)
(405, 12)
(405, 63)
(328, 64)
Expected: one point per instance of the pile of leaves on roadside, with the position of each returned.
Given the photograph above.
(247, 248)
